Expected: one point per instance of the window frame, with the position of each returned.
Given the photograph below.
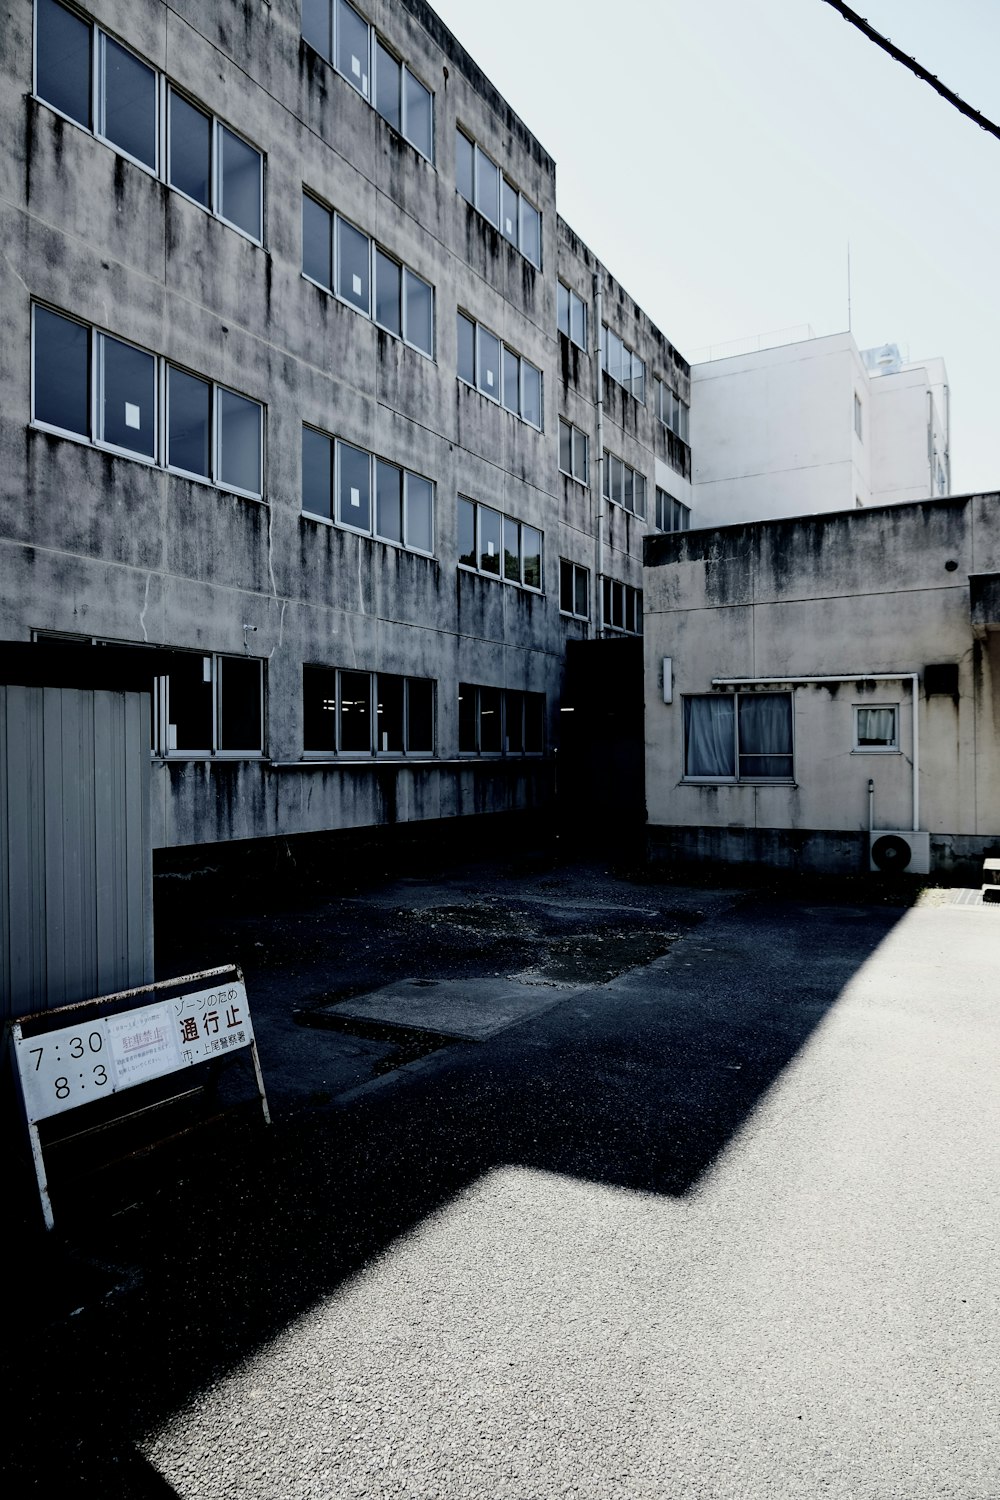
(574, 433)
(737, 779)
(161, 418)
(375, 248)
(627, 469)
(375, 39)
(895, 748)
(161, 708)
(672, 411)
(485, 390)
(374, 752)
(164, 87)
(678, 512)
(630, 596)
(572, 298)
(607, 332)
(502, 181)
(506, 696)
(573, 571)
(500, 574)
(371, 530)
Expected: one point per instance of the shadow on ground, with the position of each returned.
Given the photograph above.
(168, 1273)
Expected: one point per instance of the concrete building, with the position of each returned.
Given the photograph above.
(816, 425)
(825, 691)
(301, 401)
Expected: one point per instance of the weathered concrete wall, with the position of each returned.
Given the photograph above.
(95, 544)
(864, 593)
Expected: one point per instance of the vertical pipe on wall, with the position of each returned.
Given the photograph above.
(598, 483)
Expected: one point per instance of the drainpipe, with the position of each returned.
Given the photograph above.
(598, 481)
(913, 678)
(871, 805)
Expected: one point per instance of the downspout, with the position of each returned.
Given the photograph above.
(598, 484)
(913, 678)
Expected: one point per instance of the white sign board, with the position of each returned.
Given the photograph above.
(62, 1069)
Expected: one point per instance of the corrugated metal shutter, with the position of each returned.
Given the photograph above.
(75, 857)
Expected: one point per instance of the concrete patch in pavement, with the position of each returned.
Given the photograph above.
(471, 1010)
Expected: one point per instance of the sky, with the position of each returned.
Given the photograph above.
(720, 156)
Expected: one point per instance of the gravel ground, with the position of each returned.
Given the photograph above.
(721, 1223)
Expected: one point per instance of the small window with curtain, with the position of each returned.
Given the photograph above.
(876, 727)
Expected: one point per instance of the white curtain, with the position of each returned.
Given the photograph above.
(765, 735)
(709, 737)
(876, 726)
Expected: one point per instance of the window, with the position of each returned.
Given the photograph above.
(367, 494)
(671, 515)
(571, 315)
(622, 365)
(483, 361)
(366, 713)
(345, 261)
(500, 721)
(738, 737)
(210, 705)
(857, 415)
(337, 32)
(624, 486)
(104, 87)
(573, 451)
(876, 727)
(621, 607)
(672, 411)
(97, 387)
(574, 590)
(498, 545)
(481, 182)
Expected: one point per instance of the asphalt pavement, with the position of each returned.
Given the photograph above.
(578, 1185)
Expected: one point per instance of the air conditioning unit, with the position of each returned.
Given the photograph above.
(893, 850)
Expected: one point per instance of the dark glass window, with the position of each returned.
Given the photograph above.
(189, 703)
(534, 722)
(189, 423)
(388, 293)
(319, 708)
(128, 102)
(128, 397)
(488, 188)
(488, 351)
(317, 241)
(389, 736)
(240, 703)
(388, 501)
(466, 349)
(511, 380)
(419, 513)
(511, 550)
(467, 533)
(353, 266)
(508, 212)
(467, 699)
(240, 433)
(63, 65)
(489, 540)
(62, 372)
(531, 394)
(240, 170)
(531, 550)
(355, 711)
(388, 85)
(465, 166)
(190, 150)
(418, 118)
(420, 715)
(490, 720)
(316, 26)
(418, 312)
(317, 473)
(352, 47)
(354, 487)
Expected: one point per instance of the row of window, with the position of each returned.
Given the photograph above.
(487, 363)
(624, 485)
(671, 514)
(365, 493)
(748, 736)
(498, 545)
(101, 85)
(500, 721)
(344, 260)
(672, 411)
(338, 33)
(96, 387)
(621, 606)
(623, 364)
(571, 315)
(481, 182)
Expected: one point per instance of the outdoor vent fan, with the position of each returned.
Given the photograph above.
(893, 850)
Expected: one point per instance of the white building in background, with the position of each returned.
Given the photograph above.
(816, 425)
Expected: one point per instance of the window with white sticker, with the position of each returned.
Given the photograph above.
(209, 705)
(103, 86)
(94, 386)
(354, 488)
(481, 182)
(496, 370)
(338, 32)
